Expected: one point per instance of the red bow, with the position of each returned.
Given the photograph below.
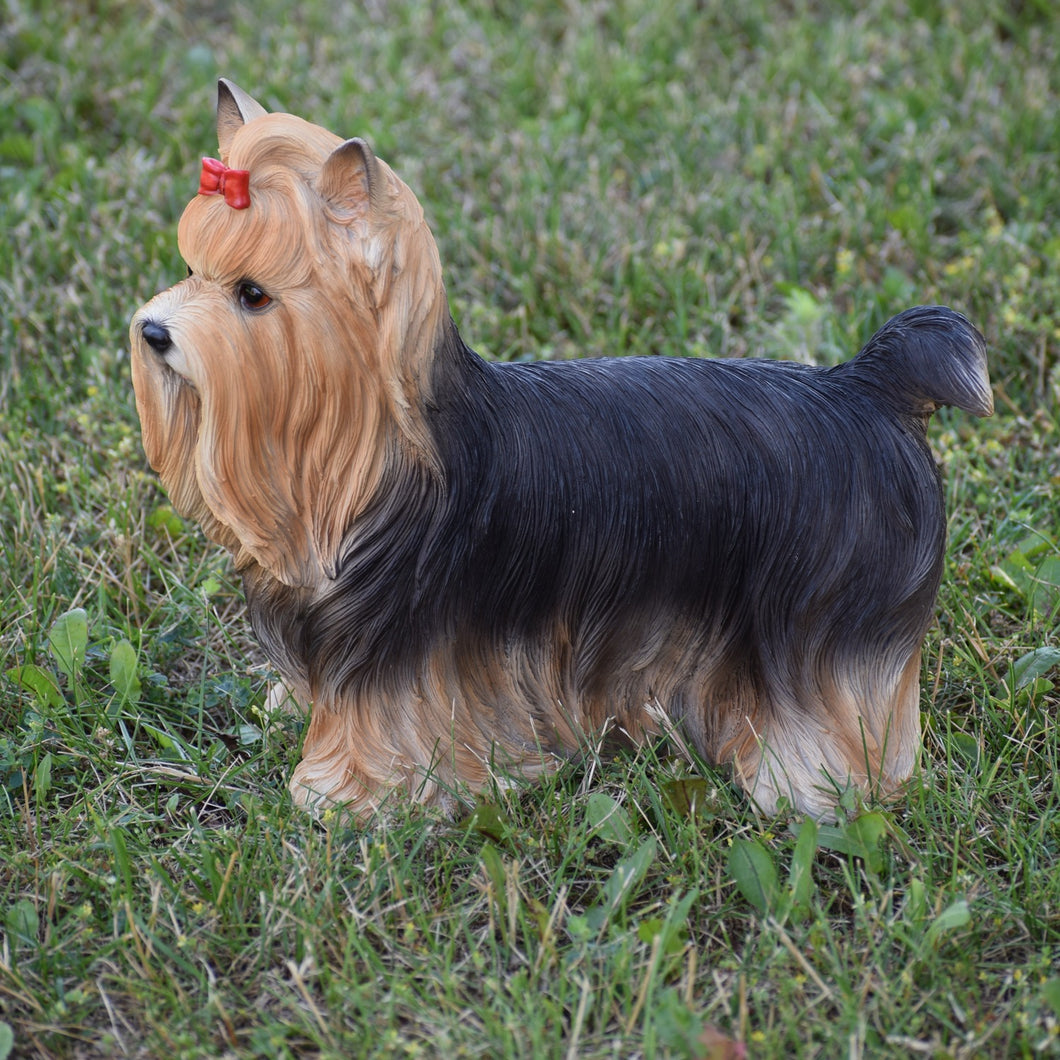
(233, 184)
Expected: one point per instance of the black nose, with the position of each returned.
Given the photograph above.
(156, 336)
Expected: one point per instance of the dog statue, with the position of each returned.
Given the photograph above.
(467, 569)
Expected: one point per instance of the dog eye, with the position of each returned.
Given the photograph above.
(252, 297)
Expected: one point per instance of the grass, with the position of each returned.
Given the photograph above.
(662, 177)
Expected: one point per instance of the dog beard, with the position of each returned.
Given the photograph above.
(467, 567)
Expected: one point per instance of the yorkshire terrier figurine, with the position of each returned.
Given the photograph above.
(468, 569)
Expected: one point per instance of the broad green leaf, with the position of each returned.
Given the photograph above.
(1032, 569)
(1046, 585)
(627, 874)
(955, 915)
(494, 867)
(648, 930)
(123, 672)
(22, 920)
(608, 820)
(835, 837)
(689, 797)
(967, 747)
(164, 518)
(582, 927)
(122, 861)
(249, 735)
(167, 742)
(68, 640)
(870, 828)
(39, 682)
(490, 820)
(42, 777)
(211, 586)
(860, 837)
(754, 873)
(672, 930)
(800, 875)
(1016, 570)
(1051, 994)
(915, 909)
(801, 306)
(1028, 668)
(7, 1040)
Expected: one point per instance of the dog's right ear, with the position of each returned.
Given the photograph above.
(351, 175)
(234, 109)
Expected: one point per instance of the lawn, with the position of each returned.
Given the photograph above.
(663, 177)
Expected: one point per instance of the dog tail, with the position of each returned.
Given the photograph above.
(927, 357)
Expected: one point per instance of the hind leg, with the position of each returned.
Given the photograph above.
(861, 728)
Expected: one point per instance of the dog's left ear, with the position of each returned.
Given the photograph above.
(234, 109)
(351, 175)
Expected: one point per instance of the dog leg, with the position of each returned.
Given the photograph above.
(861, 731)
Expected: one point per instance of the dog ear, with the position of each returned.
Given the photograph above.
(351, 174)
(234, 109)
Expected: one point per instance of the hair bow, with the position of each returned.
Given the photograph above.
(233, 184)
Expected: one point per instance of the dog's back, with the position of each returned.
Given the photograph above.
(689, 484)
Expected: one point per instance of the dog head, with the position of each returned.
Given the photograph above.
(272, 383)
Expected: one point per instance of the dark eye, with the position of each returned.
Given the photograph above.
(252, 297)
(190, 273)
